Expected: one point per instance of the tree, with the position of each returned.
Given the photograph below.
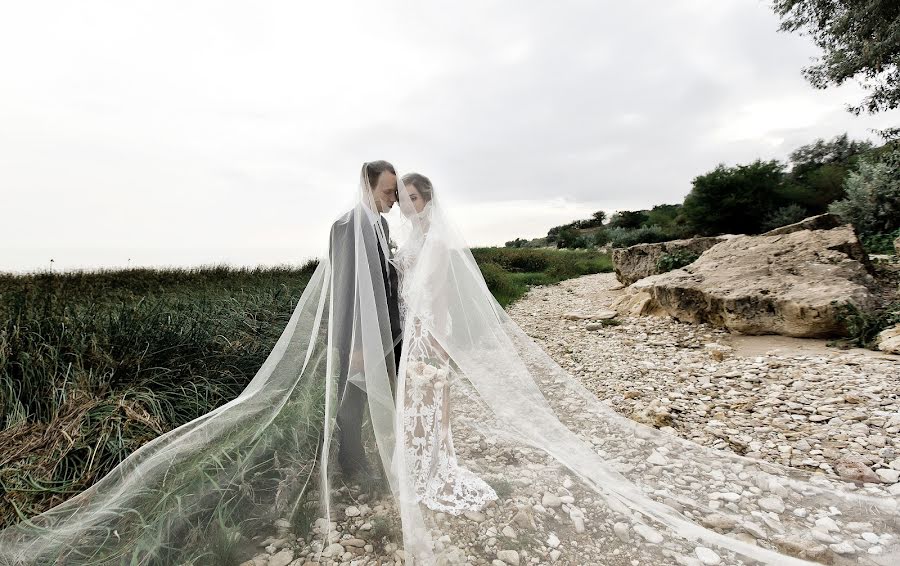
(628, 219)
(859, 39)
(599, 217)
(841, 150)
(733, 199)
(664, 215)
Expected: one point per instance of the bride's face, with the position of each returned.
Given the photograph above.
(417, 201)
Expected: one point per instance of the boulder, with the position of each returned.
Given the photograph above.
(775, 284)
(636, 262)
(889, 340)
(825, 221)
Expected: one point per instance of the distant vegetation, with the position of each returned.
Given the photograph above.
(854, 179)
(509, 272)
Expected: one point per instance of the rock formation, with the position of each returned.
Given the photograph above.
(636, 262)
(791, 284)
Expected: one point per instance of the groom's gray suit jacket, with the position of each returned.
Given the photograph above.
(343, 255)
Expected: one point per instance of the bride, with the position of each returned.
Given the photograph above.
(440, 482)
(544, 471)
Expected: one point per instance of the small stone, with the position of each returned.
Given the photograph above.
(354, 542)
(474, 516)
(773, 504)
(333, 549)
(719, 521)
(552, 540)
(649, 534)
(508, 557)
(551, 500)
(828, 524)
(856, 471)
(842, 548)
(888, 475)
(822, 536)
(352, 511)
(283, 558)
(706, 555)
(621, 530)
(579, 524)
(657, 459)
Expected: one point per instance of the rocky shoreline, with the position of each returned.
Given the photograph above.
(793, 402)
(787, 401)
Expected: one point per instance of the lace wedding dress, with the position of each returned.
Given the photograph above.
(441, 483)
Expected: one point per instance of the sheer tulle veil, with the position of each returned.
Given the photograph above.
(576, 483)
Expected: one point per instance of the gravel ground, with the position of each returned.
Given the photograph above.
(792, 402)
(796, 402)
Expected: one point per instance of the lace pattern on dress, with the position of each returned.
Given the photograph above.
(440, 482)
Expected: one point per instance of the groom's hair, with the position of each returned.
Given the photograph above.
(375, 168)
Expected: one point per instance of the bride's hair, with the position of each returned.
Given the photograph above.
(374, 169)
(421, 183)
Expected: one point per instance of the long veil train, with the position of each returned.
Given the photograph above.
(576, 482)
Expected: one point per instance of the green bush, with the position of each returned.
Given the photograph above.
(783, 216)
(880, 243)
(624, 237)
(676, 260)
(569, 238)
(601, 237)
(516, 260)
(863, 327)
(872, 203)
(497, 280)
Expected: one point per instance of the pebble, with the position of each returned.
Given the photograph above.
(707, 556)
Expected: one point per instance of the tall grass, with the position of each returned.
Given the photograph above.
(95, 364)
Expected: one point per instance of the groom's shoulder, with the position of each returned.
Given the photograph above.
(343, 226)
(343, 220)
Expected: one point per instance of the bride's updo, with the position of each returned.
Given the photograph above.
(421, 183)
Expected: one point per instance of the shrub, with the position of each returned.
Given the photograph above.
(495, 277)
(569, 238)
(624, 237)
(880, 243)
(675, 260)
(783, 216)
(863, 327)
(601, 238)
(872, 203)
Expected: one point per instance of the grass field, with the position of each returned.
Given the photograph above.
(94, 364)
(509, 272)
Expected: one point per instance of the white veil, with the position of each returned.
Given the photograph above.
(571, 481)
(581, 479)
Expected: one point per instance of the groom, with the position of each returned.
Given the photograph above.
(382, 187)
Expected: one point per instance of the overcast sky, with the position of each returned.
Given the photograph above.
(182, 133)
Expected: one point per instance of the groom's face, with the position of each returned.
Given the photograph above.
(385, 191)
